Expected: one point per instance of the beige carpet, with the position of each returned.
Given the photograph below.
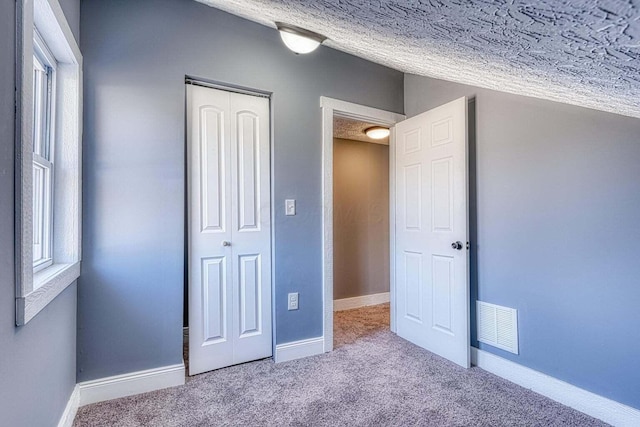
(372, 378)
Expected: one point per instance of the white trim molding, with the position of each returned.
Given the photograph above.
(131, 383)
(69, 414)
(334, 107)
(392, 230)
(299, 349)
(599, 407)
(362, 301)
(58, 277)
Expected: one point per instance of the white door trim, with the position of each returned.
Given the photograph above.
(334, 107)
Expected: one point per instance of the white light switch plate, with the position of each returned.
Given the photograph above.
(290, 207)
(293, 301)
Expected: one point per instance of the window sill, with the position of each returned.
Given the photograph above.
(47, 284)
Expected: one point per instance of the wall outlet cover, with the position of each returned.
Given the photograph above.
(293, 301)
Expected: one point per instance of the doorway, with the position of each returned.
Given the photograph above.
(429, 222)
(333, 109)
(228, 227)
(361, 226)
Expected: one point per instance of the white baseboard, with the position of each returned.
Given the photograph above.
(599, 407)
(299, 349)
(357, 302)
(130, 384)
(69, 414)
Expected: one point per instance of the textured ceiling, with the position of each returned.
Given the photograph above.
(344, 128)
(582, 52)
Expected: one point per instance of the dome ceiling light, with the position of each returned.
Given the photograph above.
(298, 39)
(377, 132)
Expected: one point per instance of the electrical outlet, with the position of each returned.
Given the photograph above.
(290, 207)
(293, 301)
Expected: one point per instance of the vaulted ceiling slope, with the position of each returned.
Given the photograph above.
(582, 52)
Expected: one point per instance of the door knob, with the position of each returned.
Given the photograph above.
(225, 243)
(457, 245)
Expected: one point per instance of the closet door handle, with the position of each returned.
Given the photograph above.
(225, 243)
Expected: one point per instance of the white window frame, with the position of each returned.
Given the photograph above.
(36, 287)
(45, 161)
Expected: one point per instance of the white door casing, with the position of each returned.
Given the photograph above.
(432, 300)
(334, 107)
(229, 228)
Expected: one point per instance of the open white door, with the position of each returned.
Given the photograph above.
(229, 228)
(432, 287)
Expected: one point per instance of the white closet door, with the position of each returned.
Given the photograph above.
(251, 224)
(229, 229)
(432, 287)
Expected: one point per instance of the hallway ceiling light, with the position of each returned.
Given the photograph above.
(298, 39)
(377, 132)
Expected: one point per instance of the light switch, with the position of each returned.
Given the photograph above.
(290, 207)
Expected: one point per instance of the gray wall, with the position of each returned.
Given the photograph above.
(38, 360)
(557, 231)
(71, 9)
(360, 218)
(136, 56)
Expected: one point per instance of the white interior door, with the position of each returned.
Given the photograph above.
(432, 289)
(229, 228)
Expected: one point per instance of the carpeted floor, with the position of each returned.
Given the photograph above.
(371, 378)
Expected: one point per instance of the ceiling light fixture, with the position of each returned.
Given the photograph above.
(377, 132)
(298, 39)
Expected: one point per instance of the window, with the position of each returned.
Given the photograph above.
(48, 163)
(44, 66)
